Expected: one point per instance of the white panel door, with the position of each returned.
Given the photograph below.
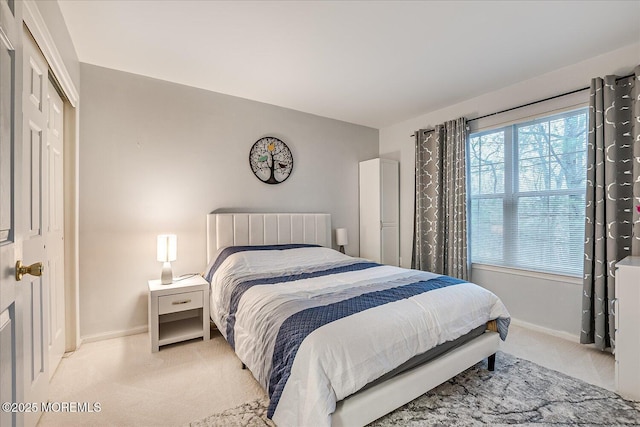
(34, 289)
(10, 249)
(54, 229)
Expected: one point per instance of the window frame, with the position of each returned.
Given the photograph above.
(511, 193)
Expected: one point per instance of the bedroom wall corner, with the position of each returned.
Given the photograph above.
(525, 299)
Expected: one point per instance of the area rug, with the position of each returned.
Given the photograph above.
(518, 392)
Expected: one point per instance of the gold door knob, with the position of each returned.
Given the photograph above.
(34, 269)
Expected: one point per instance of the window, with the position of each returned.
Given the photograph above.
(527, 194)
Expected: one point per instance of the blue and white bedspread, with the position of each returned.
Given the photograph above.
(314, 326)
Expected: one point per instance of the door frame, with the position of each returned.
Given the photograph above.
(36, 25)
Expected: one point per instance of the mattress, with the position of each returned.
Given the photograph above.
(315, 326)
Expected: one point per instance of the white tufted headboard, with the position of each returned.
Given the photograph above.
(239, 229)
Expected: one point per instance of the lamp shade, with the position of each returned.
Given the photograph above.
(167, 247)
(341, 237)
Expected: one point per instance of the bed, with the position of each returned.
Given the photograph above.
(337, 340)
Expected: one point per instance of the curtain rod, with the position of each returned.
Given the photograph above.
(534, 102)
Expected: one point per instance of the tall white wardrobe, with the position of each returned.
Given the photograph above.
(627, 319)
(380, 211)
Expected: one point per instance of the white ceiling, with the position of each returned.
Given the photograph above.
(373, 63)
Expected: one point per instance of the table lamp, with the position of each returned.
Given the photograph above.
(167, 251)
(341, 238)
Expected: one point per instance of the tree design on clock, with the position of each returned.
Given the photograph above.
(271, 160)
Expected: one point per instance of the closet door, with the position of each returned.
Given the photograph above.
(54, 228)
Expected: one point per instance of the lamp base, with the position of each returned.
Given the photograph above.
(167, 275)
(341, 248)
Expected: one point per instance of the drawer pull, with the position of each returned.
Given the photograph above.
(186, 301)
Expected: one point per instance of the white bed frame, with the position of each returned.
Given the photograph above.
(227, 229)
(242, 229)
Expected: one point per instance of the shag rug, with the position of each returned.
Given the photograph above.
(518, 392)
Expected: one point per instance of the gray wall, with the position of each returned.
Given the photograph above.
(156, 157)
(550, 303)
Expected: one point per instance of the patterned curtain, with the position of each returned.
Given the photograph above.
(440, 221)
(612, 227)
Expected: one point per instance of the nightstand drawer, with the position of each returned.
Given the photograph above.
(179, 302)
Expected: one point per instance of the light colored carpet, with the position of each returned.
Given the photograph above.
(191, 380)
(518, 392)
(137, 388)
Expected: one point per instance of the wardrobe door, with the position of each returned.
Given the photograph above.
(390, 212)
(370, 222)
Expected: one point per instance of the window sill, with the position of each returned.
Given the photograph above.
(529, 273)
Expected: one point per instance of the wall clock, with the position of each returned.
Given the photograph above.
(271, 160)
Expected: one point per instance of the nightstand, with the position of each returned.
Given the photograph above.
(179, 311)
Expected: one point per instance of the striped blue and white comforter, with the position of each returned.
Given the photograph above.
(314, 326)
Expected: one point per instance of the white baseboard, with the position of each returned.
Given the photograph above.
(114, 334)
(560, 334)
(140, 329)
